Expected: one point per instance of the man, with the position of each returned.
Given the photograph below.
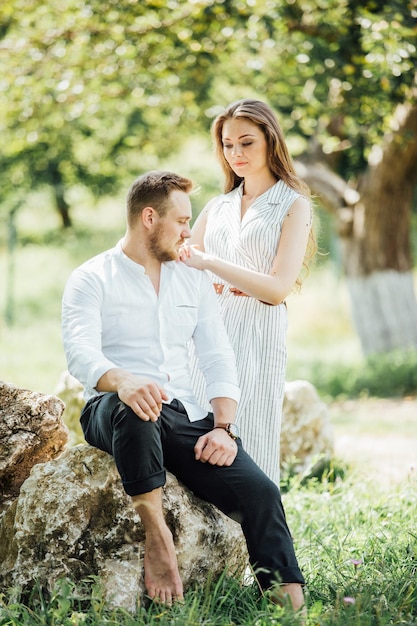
(128, 317)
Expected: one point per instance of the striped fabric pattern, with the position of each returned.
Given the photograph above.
(257, 331)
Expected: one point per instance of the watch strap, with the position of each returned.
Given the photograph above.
(227, 428)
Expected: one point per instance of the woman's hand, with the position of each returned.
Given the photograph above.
(184, 252)
(237, 292)
(193, 257)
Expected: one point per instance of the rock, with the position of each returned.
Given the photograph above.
(73, 519)
(71, 393)
(306, 434)
(31, 431)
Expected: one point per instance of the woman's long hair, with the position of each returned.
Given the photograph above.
(279, 160)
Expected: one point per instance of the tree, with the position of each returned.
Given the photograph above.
(377, 47)
(374, 228)
(342, 74)
(92, 90)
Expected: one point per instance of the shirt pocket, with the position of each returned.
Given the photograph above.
(185, 317)
(185, 314)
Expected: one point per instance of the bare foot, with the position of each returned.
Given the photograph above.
(162, 578)
(294, 593)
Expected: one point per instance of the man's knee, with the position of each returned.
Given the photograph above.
(255, 479)
(267, 488)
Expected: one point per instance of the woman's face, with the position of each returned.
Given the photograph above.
(244, 147)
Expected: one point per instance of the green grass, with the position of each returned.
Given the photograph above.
(31, 352)
(357, 546)
(368, 416)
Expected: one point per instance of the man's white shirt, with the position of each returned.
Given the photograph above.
(112, 317)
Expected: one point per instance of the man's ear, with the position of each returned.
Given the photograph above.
(148, 216)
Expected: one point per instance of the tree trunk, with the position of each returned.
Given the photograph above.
(378, 264)
(374, 227)
(384, 310)
(377, 256)
(59, 195)
(62, 206)
(11, 266)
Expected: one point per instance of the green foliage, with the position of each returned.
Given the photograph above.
(384, 375)
(335, 71)
(356, 545)
(360, 549)
(91, 92)
(322, 470)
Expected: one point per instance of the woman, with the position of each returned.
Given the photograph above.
(253, 241)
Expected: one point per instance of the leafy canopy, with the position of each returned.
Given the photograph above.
(91, 90)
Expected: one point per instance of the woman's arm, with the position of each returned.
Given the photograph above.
(274, 287)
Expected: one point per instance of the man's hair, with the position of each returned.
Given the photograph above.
(153, 189)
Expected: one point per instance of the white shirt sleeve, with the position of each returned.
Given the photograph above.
(82, 329)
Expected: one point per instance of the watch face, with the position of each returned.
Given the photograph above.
(233, 430)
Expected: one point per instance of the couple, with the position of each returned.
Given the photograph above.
(129, 315)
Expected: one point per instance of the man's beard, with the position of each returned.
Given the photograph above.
(158, 251)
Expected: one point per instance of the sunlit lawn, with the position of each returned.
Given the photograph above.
(356, 544)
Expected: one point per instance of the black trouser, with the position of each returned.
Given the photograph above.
(142, 451)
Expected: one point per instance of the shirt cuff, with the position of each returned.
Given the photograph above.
(97, 372)
(223, 390)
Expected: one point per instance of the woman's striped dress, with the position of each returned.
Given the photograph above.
(257, 331)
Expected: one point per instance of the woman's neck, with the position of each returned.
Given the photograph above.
(256, 186)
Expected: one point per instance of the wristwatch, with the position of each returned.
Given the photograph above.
(231, 429)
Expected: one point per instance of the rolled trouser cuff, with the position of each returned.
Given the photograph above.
(137, 487)
(285, 576)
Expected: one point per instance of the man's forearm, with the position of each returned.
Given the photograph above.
(112, 379)
(143, 395)
(224, 410)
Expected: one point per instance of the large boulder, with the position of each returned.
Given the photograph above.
(73, 519)
(71, 393)
(306, 434)
(31, 431)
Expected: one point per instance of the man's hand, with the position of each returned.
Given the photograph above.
(216, 447)
(143, 395)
